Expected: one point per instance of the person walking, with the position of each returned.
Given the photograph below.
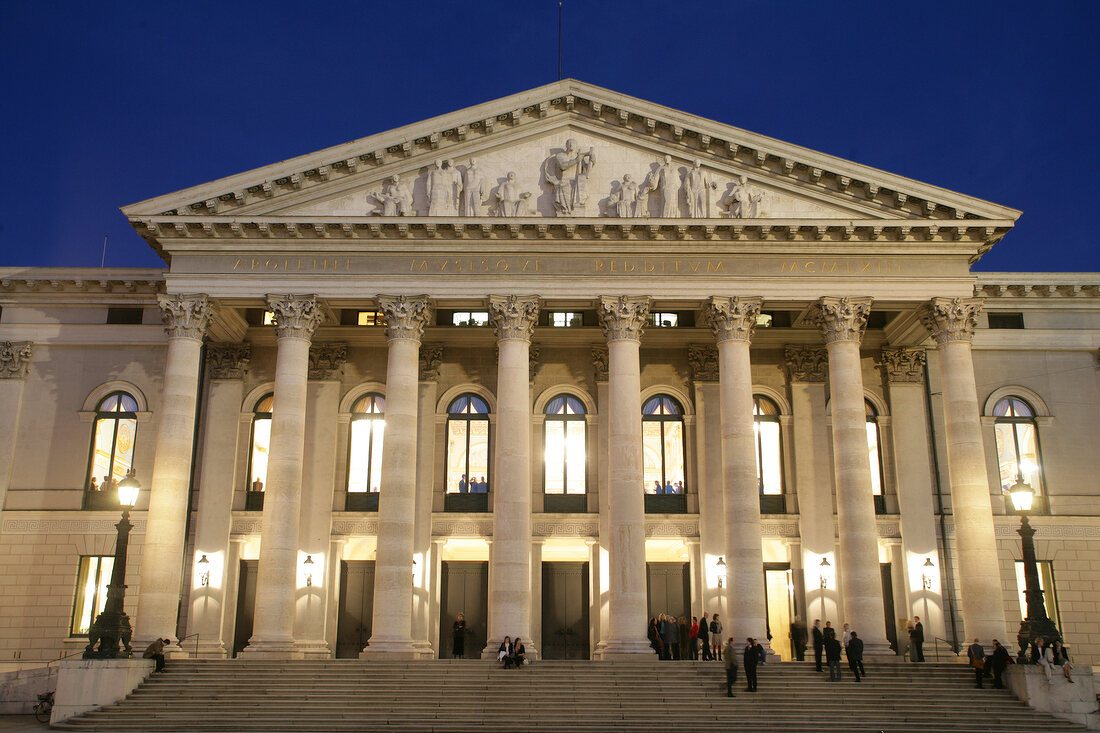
(798, 639)
(854, 650)
(846, 635)
(731, 666)
(998, 663)
(832, 657)
(917, 637)
(751, 659)
(976, 654)
(819, 643)
(704, 636)
(458, 638)
(716, 638)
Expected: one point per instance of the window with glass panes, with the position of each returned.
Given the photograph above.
(93, 576)
(261, 444)
(769, 455)
(564, 454)
(663, 446)
(365, 432)
(112, 442)
(874, 455)
(467, 462)
(1018, 444)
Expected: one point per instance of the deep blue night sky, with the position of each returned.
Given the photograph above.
(111, 103)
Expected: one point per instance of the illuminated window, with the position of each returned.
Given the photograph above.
(367, 428)
(663, 320)
(565, 446)
(368, 318)
(769, 456)
(565, 319)
(470, 318)
(874, 453)
(467, 467)
(261, 444)
(91, 591)
(1018, 444)
(112, 442)
(269, 318)
(764, 320)
(1046, 584)
(663, 446)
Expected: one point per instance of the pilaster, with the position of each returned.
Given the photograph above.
(15, 359)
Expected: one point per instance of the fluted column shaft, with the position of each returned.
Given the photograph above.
(296, 318)
(393, 568)
(510, 562)
(733, 321)
(186, 319)
(623, 318)
(842, 321)
(951, 322)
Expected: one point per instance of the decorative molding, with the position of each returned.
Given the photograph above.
(296, 316)
(599, 362)
(15, 357)
(247, 525)
(228, 361)
(888, 529)
(131, 282)
(534, 352)
(468, 526)
(431, 358)
(327, 360)
(841, 319)
(572, 526)
(39, 525)
(513, 316)
(1007, 530)
(186, 316)
(623, 316)
(405, 315)
(779, 529)
(365, 526)
(668, 528)
(903, 365)
(703, 360)
(806, 363)
(732, 319)
(1036, 289)
(951, 319)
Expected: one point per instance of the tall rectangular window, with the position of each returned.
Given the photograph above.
(91, 591)
(1046, 584)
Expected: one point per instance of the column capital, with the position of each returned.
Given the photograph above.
(406, 315)
(431, 358)
(513, 316)
(186, 316)
(15, 357)
(326, 360)
(623, 316)
(296, 316)
(732, 319)
(903, 365)
(228, 360)
(806, 363)
(950, 319)
(841, 319)
(703, 360)
(599, 362)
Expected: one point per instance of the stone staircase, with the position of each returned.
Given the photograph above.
(579, 697)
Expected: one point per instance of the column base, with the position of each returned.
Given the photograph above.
(424, 650)
(208, 650)
(881, 652)
(269, 649)
(623, 649)
(312, 649)
(391, 650)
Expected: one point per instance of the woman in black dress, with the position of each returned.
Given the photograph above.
(458, 646)
(519, 655)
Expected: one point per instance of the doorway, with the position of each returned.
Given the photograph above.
(668, 587)
(565, 610)
(246, 604)
(888, 605)
(463, 588)
(356, 614)
(779, 602)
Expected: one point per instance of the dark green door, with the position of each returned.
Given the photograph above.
(353, 627)
(464, 588)
(565, 610)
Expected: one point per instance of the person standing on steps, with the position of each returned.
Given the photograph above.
(855, 655)
(669, 636)
(819, 643)
(751, 658)
(693, 637)
(458, 638)
(917, 637)
(847, 634)
(976, 654)
(829, 631)
(832, 656)
(731, 666)
(798, 639)
(998, 664)
(685, 646)
(716, 638)
(704, 636)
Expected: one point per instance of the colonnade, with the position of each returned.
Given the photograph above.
(400, 619)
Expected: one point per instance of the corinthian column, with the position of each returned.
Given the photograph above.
(296, 318)
(14, 359)
(510, 562)
(842, 322)
(393, 567)
(733, 321)
(951, 322)
(622, 318)
(186, 318)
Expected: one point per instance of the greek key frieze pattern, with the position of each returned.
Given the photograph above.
(68, 526)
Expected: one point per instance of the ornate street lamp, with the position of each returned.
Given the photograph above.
(721, 570)
(112, 625)
(1036, 625)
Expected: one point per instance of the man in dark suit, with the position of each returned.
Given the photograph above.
(1001, 659)
(798, 639)
(832, 656)
(855, 656)
(976, 654)
(917, 637)
(704, 635)
(819, 643)
(752, 658)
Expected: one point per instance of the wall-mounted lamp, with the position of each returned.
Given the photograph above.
(722, 572)
(825, 570)
(308, 562)
(926, 576)
(204, 568)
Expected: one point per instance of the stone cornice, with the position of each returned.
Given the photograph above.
(1038, 287)
(85, 281)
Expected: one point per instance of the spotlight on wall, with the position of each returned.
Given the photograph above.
(825, 570)
(722, 572)
(204, 569)
(927, 575)
(308, 562)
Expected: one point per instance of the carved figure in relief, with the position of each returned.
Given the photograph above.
(698, 187)
(510, 200)
(584, 170)
(560, 173)
(395, 197)
(667, 182)
(625, 198)
(744, 200)
(473, 187)
(442, 187)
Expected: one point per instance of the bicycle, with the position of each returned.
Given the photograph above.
(44, 707)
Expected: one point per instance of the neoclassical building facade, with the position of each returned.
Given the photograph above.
(558, 362)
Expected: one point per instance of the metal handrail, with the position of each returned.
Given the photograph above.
(196, 642)
(936, 647)
(64, 656)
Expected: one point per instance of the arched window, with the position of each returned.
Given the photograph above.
(1018, 444)
(874, 453)
(112, 452)
(467, 468)
(663, 446)
(769, 455)
(564, 455)
(258, 457)
(368, 425)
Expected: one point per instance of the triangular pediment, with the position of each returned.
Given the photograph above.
(520, 133)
